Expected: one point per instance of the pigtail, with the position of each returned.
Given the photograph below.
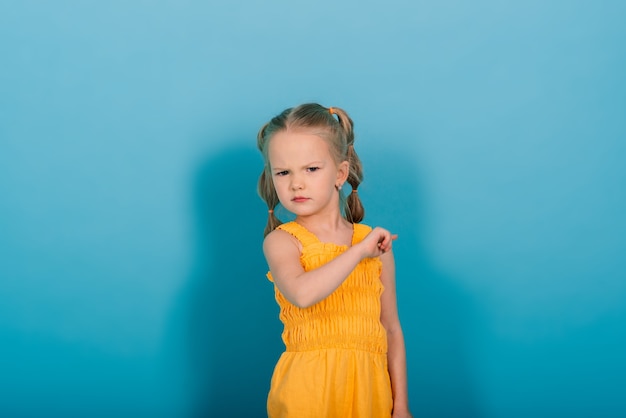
(354, 210)
(267, 192)
(265, 187)
(354, 207)
(260, 138)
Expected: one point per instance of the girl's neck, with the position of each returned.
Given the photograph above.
(325, 222)
(328, 229)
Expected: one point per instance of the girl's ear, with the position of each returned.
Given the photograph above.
(342, 172)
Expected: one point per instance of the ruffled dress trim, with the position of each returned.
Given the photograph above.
(349, 318)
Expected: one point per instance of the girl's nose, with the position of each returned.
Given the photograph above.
(296, 183)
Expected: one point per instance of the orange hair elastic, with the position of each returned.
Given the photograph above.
(331, 110)
(271, 211)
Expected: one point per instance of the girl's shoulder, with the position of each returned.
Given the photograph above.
(280, 239)
(290, 232)
(299, 232)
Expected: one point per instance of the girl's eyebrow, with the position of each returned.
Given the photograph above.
(314, 163)
(277, 168)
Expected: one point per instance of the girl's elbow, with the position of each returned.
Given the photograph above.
(303, 301)
(295, 295)
(300, 295)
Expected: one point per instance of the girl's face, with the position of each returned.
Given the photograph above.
(304, 173)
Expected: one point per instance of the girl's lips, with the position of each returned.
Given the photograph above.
(300, 199)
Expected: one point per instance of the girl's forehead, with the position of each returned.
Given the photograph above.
(299, 144)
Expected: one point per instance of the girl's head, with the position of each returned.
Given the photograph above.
(335, 127)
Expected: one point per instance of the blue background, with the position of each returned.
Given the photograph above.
(493, 139)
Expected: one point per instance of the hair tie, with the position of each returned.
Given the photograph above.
(331, 110)
(354, 191)
(271, 211)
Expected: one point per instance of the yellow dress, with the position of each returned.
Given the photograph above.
(335, 363)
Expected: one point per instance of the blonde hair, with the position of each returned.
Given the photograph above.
(332, 124)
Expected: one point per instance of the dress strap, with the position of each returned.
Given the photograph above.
(360, 232)
(302, 234)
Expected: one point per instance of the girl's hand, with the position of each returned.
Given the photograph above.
(377, 242)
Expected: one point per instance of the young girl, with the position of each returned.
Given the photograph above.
(334, 278)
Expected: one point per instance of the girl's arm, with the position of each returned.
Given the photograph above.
(304, 289)
(396, 352)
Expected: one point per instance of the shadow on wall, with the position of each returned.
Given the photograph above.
(230, 319)
(435, 312)
(233, 334)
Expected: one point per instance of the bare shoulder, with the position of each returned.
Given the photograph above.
(282, 253)
(389, 305)
(387, 258)
(279, 241)
(388, 276)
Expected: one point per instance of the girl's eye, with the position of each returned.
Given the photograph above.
(312, 169)
(281, 173)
